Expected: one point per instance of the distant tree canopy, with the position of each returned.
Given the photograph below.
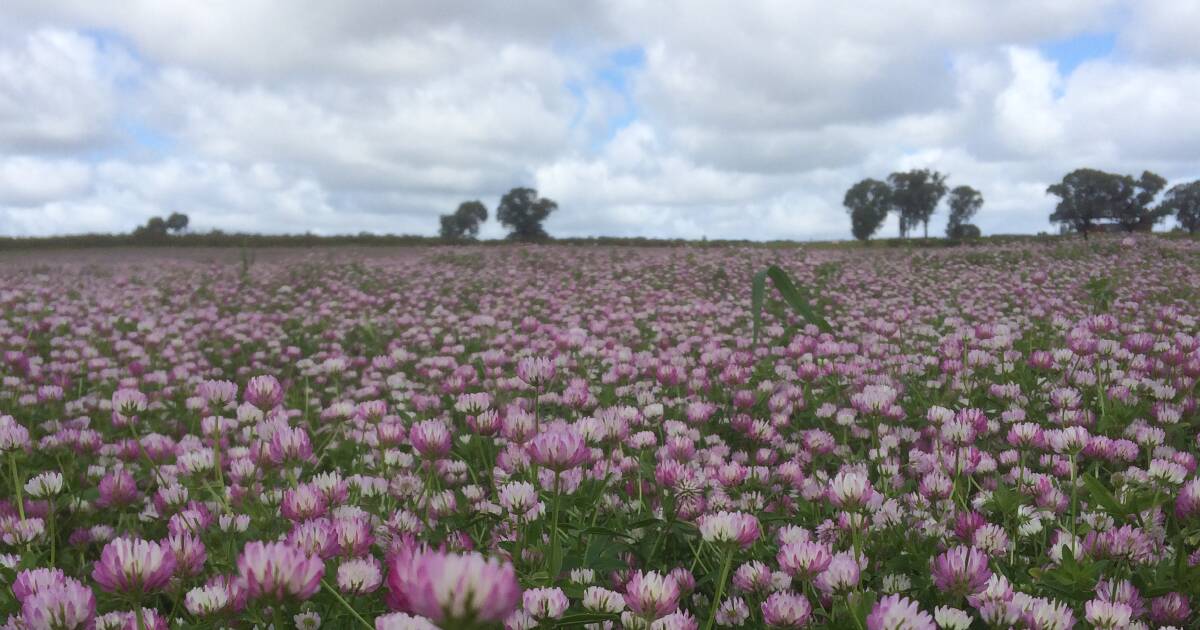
(915, 195)
(964, 203)
(522, 212)
(464, 222)
(868, 203)
(1089, 197)
(177, 222)
(1184, 201)
(157, 227)
(1135, 212)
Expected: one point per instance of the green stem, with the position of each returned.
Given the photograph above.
(217, 456)
(53, 538)
(850, 609)
(1074, 495)
(341, 600)
(12, 468)
(554, 550)
(716, 603)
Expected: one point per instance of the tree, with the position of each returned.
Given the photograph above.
(966, 231)
(915, 195)
(1134, 211)
(1089, 197)
(964, 203)
(1086, 196)
(464, 222)
(522, 211)
(868, 203)
(177, 222)
(1184, 201)
(156, 226)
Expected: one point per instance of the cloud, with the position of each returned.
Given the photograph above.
(58, 92)
(31, 181)
(651, 119)
(1163, 31)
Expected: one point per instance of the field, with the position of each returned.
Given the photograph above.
(1002, 435)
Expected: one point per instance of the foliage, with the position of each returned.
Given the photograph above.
(464, 223)
(868, 203)
(1184, 201)
(1135, 212)
(1090, 197)
(522, 211)
(964, 202)
(177, 222)
(157, 228)
(915, 196)
(964, 232)
(795, 297)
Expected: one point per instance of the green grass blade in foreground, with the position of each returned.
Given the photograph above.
(791, 294)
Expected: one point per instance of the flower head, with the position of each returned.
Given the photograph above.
(786, 610)
(535, 371)
(730, 528)
(545, 603)
(804, 560)
(63, 606)
(455, 588)
(133, 566)
(651, 595)
(279, 570)
(961, 571)
(264, 392)
(898, 613)
(359, 576)
(430, 438)
(560, 447)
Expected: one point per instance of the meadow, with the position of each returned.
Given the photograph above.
(993, 436)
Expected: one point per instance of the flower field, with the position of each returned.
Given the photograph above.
(997, 436)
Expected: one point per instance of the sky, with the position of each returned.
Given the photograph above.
(666, 118)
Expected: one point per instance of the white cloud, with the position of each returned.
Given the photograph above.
(1027, 120)
(1163, 30)
(31, 181)
(57, 91)
(746, 120)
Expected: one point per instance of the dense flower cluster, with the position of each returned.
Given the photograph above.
(542, 437)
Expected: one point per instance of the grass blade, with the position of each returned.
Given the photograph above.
(794, 296)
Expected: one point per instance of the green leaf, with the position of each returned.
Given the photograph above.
(1004, 500)
(863, 605)
(604, 531)
(577, 620)
(791, 294)
(1101, 495)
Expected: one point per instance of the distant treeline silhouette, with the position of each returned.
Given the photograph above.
(1090, 200)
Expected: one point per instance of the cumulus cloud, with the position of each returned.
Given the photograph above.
(58, 91)
(652, 119)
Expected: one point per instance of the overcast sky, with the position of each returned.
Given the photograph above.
(667, 119)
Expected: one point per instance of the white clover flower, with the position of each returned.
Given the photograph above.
(47, 484)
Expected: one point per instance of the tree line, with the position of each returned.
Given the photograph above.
(914, 196)
(520, 210)
(1089, 200)
(157, 228)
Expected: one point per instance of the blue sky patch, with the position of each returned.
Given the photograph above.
(1069, 53)
(613, 74)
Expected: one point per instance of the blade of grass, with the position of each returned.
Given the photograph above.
(794, 296)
